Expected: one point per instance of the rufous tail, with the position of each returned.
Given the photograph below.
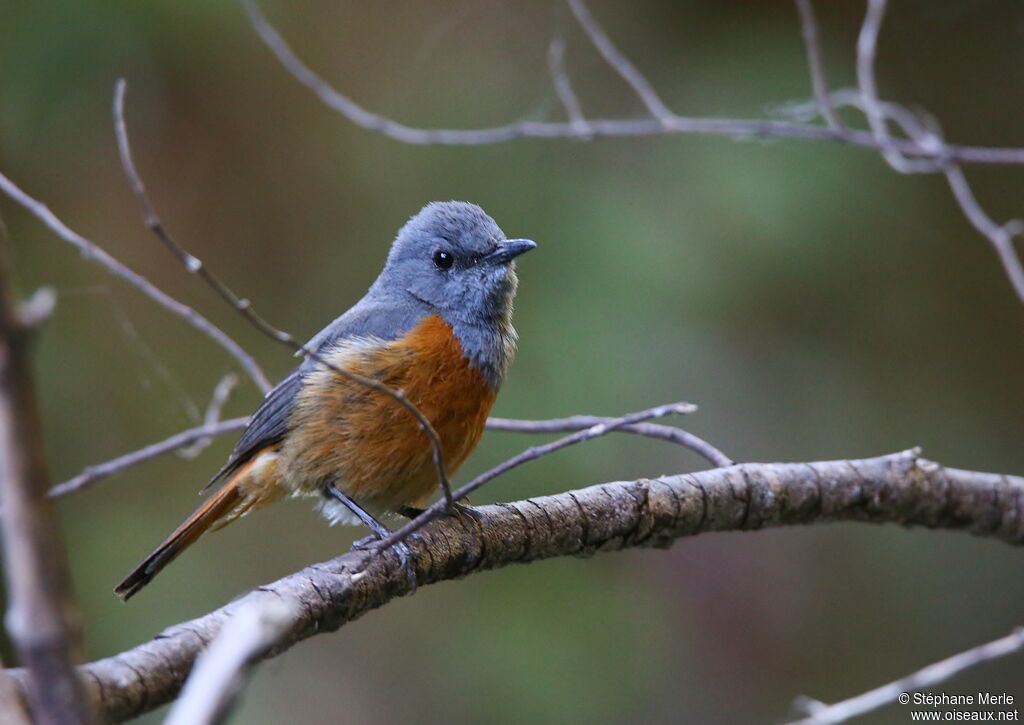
(220, 504)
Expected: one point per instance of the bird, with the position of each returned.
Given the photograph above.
(436, 324)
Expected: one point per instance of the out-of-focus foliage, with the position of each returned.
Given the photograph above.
(812, 302)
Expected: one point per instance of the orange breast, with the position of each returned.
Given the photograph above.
(365, 441)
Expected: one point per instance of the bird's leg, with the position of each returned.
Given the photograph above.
(380, 531)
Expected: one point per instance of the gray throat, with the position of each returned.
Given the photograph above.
(489, 347)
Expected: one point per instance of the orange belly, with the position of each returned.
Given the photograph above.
(364, 441)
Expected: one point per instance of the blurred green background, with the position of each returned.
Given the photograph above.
(814, 304)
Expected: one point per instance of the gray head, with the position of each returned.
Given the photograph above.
(453, 258)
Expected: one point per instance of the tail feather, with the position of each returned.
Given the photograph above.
(214, 513)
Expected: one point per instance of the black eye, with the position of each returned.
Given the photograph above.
(443, 259)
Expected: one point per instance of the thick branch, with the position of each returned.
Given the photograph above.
(900, 488)
(221, 670)
(42, 618)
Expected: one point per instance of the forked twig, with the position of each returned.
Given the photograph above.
(925, 154)
(531, 454)
(618, 62)
(563, 86)
(649, 430)
(95, 473)
(601, 127)
(815, 64)
(879, 113)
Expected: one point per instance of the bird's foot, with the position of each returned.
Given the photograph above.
(365, 543)
(380, 531)
(406, 559)
(464, 510)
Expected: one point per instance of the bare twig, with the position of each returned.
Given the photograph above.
(867, 45)
(1001, 237)
(93, 474)
(563, 86)
(221, 395)
(244, 307)
(95, 253)
(934, 674)
(621, 64)
(42, 617)
(649, 430)
(819, 82)
(221, 670)
(734, 127)
(210, 430)
(916, 154)
(878, 114)
(437, 509)
(901, 488)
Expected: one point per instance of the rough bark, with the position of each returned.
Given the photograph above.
(901, 488)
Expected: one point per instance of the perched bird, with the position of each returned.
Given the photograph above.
(437, 325)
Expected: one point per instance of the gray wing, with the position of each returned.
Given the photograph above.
(371, 317)
(268, 425)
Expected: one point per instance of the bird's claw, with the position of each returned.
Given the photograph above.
(405, 556)
(365, 543)
(462, 510)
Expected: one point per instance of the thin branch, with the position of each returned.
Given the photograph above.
(221, 670)
(563, 86)
(901, 488)
(812, 46)
(93, 474)
(207, 431)
(867, 46)
(95, 253)
(878, 114)
(934, 674)
(733, 127)
(621, 64)
(42, 617)
(1001, 237)
(438, 509)
(221, 395)
(649, 430)
(927, 154)
(244, 307)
